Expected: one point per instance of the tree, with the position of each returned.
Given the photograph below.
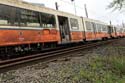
(117, 4)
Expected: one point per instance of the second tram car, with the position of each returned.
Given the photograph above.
(95, 30)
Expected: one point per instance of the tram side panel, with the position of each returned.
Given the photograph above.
(95, 30)
(104, 31)
(77, 30)
(18, 37)
(89, 32)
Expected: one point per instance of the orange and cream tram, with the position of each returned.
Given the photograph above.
(25, 26)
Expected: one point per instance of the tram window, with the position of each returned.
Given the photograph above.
(29, 18)
(104, 28)
(47, 20)
(99, 27)
(36, 19)
(8, 15)
(88, 26)
(121, 30)
(13, 16)
(94, 26)
(74, 23)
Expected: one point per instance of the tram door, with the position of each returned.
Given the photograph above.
(64, 29)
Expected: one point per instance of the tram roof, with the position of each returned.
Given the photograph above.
(30, 6)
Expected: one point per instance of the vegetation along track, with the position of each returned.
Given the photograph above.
(50, 55)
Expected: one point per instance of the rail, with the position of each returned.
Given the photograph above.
(47, 55)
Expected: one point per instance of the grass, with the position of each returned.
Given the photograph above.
(118, 64)
(101, 69)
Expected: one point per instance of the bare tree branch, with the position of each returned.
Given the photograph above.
(117, 4)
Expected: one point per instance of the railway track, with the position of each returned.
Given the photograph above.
(50, 55)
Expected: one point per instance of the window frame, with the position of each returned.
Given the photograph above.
(74, 23)
(88, 26)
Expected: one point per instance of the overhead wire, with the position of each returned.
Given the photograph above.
(70, 3)
(77, 6)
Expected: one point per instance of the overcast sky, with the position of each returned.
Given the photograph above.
(97, 9)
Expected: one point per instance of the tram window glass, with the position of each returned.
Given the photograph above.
(88, 26)
(13, 16)
(94, 26)
(36, 19)
(8, 16)
(47, 20)
(29, 18)
(99, 27)
(104, 28)
(121, 30)
(74, 24)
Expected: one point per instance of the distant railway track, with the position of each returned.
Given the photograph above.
(50, 55)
